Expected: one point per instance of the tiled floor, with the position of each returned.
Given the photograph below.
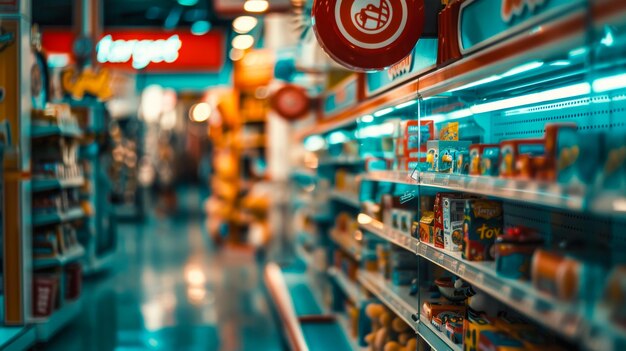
(170, 290)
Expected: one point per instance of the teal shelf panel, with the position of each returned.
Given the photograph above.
(52, 218)
(52, 184)
(65, 130)
(74, 254)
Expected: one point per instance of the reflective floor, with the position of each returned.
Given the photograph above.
(170, 290)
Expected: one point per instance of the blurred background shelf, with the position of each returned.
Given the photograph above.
(345, 197)
(59, 217)
(52, 184)
(349, 287)
(47, 327)
(396, 298)
(64, 130)
(397, 237)
(73, 254)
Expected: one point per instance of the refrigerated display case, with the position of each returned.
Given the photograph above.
(485, 196)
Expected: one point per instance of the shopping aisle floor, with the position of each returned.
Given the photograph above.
(170, 290)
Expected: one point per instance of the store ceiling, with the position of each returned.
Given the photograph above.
(131, 13)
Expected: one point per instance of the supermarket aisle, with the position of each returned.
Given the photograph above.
(170, 290)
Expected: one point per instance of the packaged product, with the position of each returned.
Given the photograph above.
(427, 228)
(453, 218)
(476, 155)
(514, 252)
(512, 163)
(442, 154)
(483, 224)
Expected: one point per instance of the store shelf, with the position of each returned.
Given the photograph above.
(305, 256)
(341, 161)
(52, 184)
(396, 298)
(565, 319)
(346, 197)
(347, 243)
(436, 339)
(344, 322)
(304, 173)
(65, 130)
(350, 288)
(52, 218)
(17, 338)
(49, 326)
(99, 263)
(398, 177)
(530, 191)
(72, 255)
(397, 237)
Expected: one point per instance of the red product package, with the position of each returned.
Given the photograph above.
(438, 209)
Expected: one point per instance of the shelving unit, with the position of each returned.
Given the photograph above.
(72, 255)
(502, 91)
(348, 244)
(394, 236)
(396, 298)
(63, 130)
(59, 217)
(48, 327)
(346, 198)
(350, 288)
(52, 184)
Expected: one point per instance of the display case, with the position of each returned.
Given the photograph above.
(482, 203)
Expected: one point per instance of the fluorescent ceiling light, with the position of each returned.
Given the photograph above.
(200, 27)
(376, 131)
(337, 138)
(243, 42)
(256, 6)
(367, 119)
(188, 2)
(535, 98)
(560, 63)
(314, 143)
(609, 83)
(608, 39)
(523, 68)
(406, 104)
(477, 83)
(384, 112)
(578, 52)
(244, 24)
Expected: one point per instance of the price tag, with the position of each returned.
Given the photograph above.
(461, 270)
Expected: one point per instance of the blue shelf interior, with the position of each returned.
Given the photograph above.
(318, 336)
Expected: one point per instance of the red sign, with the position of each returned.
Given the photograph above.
(149, 51)
(291, 102)
(366, 35)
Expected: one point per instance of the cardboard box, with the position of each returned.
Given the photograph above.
(482, 225)
(441, 155)
(453, 219)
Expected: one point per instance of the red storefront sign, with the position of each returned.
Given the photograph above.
(149, 51)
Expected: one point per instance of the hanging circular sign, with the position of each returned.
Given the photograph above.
(368, 35)
(291, 102)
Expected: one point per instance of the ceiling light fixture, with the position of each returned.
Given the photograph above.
(200, 27)
(256, 6)
(188, 2)
(243, 42)
(244, 24)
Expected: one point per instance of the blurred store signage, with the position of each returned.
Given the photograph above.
(506, 18)
(8, 5)
(422, 58)
(291, 102)
(236, 7)
(96, 83)
(145, 50)
(255, 69)
(368, 35)
(342, 97)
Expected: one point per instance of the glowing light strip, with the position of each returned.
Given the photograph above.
(384, 112)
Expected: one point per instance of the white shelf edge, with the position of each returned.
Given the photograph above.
(350, 288)
(396, 237)
(375, 284)
(345, 197)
